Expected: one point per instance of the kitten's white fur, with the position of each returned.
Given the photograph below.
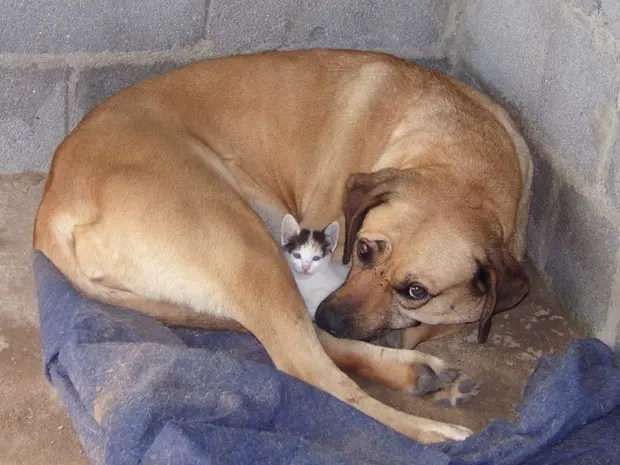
(315, 278)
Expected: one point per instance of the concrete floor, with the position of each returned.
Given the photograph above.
(34, 428)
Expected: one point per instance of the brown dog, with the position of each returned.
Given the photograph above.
(147, 206)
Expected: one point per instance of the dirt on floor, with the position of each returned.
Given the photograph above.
(35, 429)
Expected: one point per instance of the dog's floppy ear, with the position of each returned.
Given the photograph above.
(505, 284)
(364, 191)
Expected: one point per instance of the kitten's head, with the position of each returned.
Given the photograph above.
(307, 250)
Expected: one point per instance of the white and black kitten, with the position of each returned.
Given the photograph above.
(309, 255)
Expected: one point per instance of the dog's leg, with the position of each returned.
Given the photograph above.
(410, 338)
(406, 370)
(212, 254)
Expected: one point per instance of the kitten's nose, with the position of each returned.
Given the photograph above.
(305, 266)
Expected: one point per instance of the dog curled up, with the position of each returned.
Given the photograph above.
(148, 206)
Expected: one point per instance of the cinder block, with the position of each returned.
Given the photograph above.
(34, 26)
(390, 25)
(579, 84)
(613, 174)
(96, 84)
(582, 259)
(504, 44)
(32, 117)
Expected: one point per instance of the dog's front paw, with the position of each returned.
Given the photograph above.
(442, 432)
(424, 381)
(428, 378)
(450, 387)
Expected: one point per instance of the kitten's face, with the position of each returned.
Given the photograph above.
(308, 257)
(307, 251)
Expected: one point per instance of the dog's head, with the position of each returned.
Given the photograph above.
(419, 253)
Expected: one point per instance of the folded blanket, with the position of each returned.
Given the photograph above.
(139, 392)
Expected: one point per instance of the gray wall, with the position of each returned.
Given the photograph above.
(553, 63)
(59, 58)
(555, 66)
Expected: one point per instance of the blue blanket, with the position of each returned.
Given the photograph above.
(139, 392)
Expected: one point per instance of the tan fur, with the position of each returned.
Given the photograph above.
(147, 202)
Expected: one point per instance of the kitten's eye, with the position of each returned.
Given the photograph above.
(297, 255)
(417, 292)
(316, 258)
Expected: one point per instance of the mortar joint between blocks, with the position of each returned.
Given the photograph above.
(205, 19)
(72, 83)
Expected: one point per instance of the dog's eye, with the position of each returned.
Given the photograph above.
(297, 255)
(417, 292)
(363, 250)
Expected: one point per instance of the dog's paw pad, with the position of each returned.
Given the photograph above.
(461, 401)
(443, 402)
(449, 375)
(461, 392)
(466, 385)
(425, 380)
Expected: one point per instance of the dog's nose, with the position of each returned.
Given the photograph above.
(332, 321)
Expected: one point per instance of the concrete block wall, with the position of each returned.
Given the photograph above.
(553, 63)
(58, 59)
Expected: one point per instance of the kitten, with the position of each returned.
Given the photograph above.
(309, 255)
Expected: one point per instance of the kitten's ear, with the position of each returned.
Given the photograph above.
(289, 229)
(332, 231)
